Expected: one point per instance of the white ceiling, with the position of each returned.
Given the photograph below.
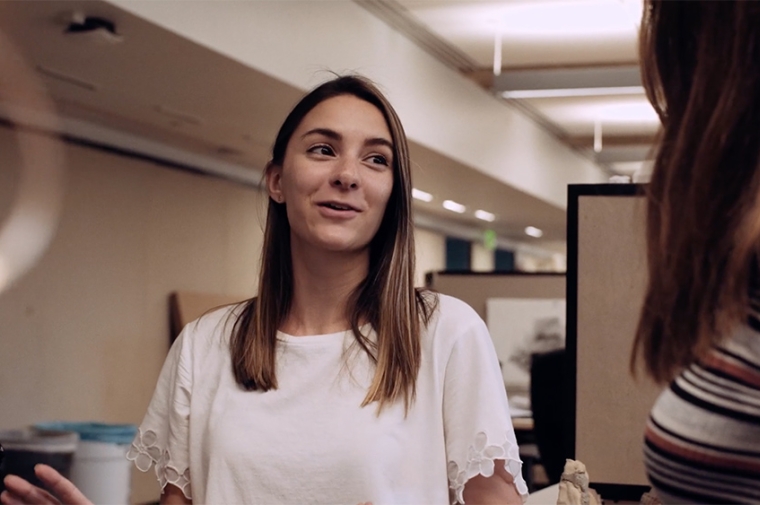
(192, 98)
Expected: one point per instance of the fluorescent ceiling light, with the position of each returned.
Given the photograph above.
(573, 92)
(617, 114)
(485, 216)
(536, 19)
(534, 232)
(454, 206)
(421, 195)
(580, 18)
(630, 113)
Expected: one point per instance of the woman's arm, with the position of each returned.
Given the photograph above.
(173, 495)
(498, 489)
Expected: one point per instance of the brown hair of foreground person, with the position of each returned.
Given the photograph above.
(701, 69)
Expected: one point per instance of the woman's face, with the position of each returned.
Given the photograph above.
(337, 175)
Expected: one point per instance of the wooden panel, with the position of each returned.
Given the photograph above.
(185, 307)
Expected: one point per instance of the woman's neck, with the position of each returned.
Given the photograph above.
(322, 284)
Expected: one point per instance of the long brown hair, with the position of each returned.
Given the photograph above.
(701, 69)
(386, 298)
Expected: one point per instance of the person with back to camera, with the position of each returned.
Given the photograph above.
(341, 383)
(700, 324)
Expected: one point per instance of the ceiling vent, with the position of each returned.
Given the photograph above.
(93, 29)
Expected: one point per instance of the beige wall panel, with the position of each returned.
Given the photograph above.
(611, 406)
(86, 331)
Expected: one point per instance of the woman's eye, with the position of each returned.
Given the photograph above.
(324, 150)
(379, 159)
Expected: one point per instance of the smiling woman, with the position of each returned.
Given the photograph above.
(340, 382)
(336, 177)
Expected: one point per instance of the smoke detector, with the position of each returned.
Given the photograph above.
(94, 29)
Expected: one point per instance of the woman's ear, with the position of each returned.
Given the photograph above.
(274, 182)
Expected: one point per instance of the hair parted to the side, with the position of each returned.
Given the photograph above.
(701, 68)
(386, 298)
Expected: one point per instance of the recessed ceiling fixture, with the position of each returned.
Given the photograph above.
(533, 232)
(573, 92)
(454, 206)
(93, 28)
(418, 194)
(484, 215)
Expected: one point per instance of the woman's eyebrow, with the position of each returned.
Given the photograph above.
(379, 141)
(332, 134)
(323, 131)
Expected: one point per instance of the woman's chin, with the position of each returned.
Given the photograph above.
(340, 245)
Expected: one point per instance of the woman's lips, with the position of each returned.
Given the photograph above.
(337, 210)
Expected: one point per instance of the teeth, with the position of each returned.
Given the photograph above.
(337, 207)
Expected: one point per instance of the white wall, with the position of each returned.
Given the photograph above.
(430, 253)
(298, 41)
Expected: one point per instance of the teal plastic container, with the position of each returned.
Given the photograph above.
(100, 468)
(118, 434)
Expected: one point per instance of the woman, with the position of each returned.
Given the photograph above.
(700, 325)
(340, 383)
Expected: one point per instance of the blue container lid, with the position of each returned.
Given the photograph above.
(49, 441)
(94, 432)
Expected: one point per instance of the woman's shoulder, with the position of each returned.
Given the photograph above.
(454, 311)
(453, 319)
(213, 327)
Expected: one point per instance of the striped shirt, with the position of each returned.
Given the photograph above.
(702, 442)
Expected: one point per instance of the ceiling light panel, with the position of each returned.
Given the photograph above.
(485, 215)
(621, 115)
(418, 194)
(532, 231)
(454, 206)
(536, 32)
(571, 19)
(535, 19)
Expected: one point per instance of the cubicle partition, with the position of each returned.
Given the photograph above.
(525, 313)
(476, 288)
(606, 279)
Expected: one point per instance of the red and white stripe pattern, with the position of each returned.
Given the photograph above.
(702, 442)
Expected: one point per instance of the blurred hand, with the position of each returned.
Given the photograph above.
(61, 490)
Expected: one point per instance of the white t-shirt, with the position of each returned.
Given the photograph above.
(310, 441)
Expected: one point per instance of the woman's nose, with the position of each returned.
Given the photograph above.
(347, 175)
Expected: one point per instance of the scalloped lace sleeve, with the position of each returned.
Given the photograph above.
(477, 425)
(162, 439)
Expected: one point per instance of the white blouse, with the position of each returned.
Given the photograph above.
(310, 441)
